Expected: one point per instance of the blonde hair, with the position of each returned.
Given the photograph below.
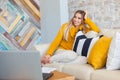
(67, 31)
(71, 23)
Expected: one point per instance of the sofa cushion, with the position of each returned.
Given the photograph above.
(82, 44)
(113, 60)
(98, 54)
(104, 74)
(58, 66)
(81, 72)
(78, 60)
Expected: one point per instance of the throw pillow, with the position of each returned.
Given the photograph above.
(82, 44)
(91, 34)
(113, 60)
(98, 54)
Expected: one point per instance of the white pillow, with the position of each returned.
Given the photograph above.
(63, 56)
(113, 60)
(83, 45)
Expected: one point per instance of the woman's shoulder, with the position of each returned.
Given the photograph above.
(66, 23)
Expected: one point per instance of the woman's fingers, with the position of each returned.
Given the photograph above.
(45, 59)
(86, 14)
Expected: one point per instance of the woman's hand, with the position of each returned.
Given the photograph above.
(86, 14)
(45, 59)
(86, 26)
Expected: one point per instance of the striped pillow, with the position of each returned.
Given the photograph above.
(82, 44)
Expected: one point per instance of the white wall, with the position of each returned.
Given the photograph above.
(63, 11)
(53, 14)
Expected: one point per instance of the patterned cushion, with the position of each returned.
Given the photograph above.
(82, 44)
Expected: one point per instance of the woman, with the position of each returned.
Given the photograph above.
(66, 35)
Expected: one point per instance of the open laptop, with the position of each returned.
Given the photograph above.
(20, 65)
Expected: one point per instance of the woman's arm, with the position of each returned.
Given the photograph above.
(54, 45)
(92, 25)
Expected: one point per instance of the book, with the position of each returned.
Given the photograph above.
(27, 36)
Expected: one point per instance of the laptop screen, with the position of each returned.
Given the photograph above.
(20, 65)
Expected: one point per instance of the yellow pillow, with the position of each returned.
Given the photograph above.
(98, 54)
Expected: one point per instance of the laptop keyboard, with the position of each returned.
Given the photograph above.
(46, 76)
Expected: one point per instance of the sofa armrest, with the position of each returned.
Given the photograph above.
(42, 48)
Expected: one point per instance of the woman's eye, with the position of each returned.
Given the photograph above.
(75, 17)
(79, 18)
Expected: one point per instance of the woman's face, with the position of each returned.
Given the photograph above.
(77, 19)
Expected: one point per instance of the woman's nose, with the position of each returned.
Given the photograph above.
(76, 19)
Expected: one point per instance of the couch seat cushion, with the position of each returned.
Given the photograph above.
(80, 71)
(104, 74)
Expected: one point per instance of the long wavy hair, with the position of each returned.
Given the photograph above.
(72, 24)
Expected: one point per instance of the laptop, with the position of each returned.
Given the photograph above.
(20, 65)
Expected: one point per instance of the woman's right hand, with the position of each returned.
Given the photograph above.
(86, 14)
(45, 59)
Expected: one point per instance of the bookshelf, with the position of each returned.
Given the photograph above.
(19, 24)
